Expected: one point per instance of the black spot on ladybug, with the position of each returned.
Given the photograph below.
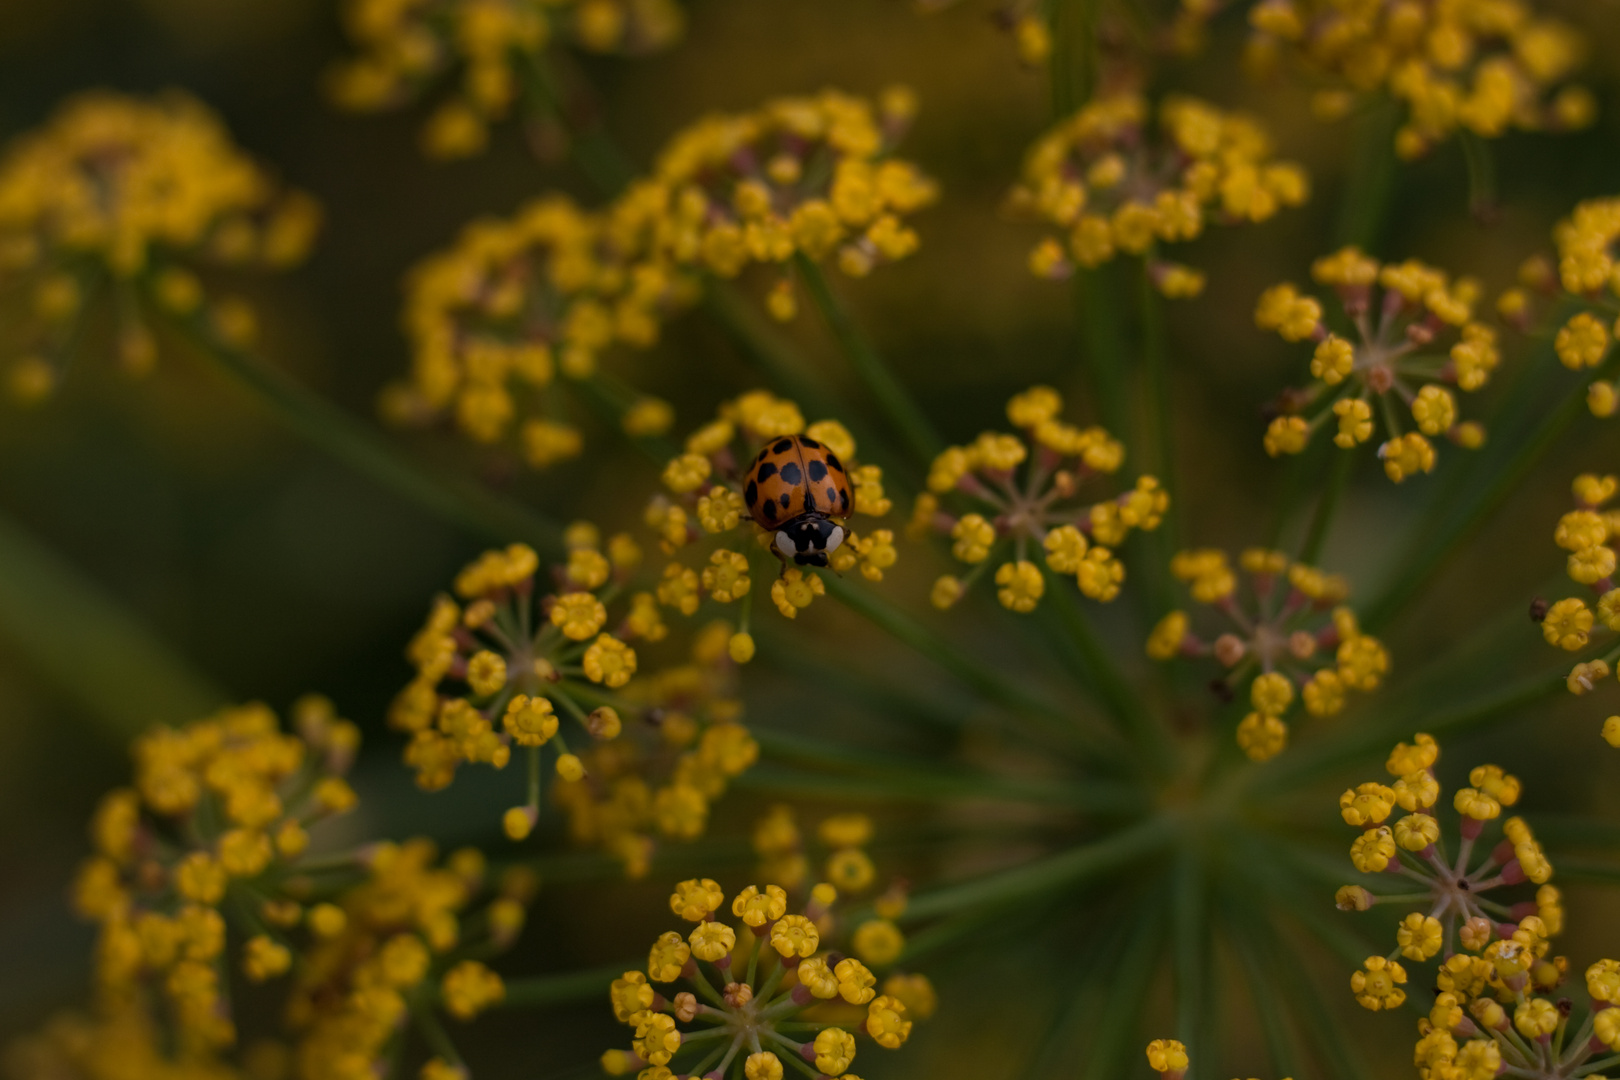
(751, 493)
(765, 472)
(768, 508)
(792, 474)
(817, 471)
(785, 499)
(809, 444)
(781, 446)
(833, 463)
(810, 500)
(832, 496)
(843, 502)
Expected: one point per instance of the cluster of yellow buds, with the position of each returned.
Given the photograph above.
(780, 844)
(133, 196)
(410, 926)
(808, 177)
(1415, 339)
(403, 46)
(1028, 484)
(516, 303)
(692, 745)
(220, 810)
(1289, 631)
(1459, 913)
(1588, 275)
(1591, 535)
(1115, 187)
(1481, 66)
(706, 498)
(1490, 1012)
(759, 985)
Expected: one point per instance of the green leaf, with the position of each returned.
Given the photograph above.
(89, 646)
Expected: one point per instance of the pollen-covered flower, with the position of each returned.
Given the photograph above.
(1290, 637)
(1408, 336)
(1480, 66)
(1583, 277)
(132, 199)
(745, 994)
(722, 553)
(494, 47)
(218, 819)
(683, 746)
(1115, 186)
(1502, 944)
(508, 327)
(813, 177)
(398, 935)
(1590, 534)
(1028, 519)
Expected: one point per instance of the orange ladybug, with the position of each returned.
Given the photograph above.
(795, 487)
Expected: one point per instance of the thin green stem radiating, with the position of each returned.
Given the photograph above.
(1417, 575)
(1370, 180)
(1481, 175)
(564, 989)
(894, 400)
(1191, 938)
(334, 432)
(1119, 1025)
(1073, 68)
(1041, 718)
(607, 168)
(1343, 465)
(1156, 367)
(72, 631)
(1249, 943)
(433, 1033)
(1103, 348)
(1065, 870)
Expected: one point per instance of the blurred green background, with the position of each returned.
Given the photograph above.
(272, 570)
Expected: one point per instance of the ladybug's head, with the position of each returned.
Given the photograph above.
(808, 540)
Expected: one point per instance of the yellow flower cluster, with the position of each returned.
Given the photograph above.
(705, 499)
(220, 810)
(754, 982)
(403, 46)
(1589, 274)
(1279, 637)
(133, 195)
(490, 671)
(691, 746)
(409, 927)
(1491, 1013)
(848, 868)
(1115, 188)
(1591, 535)
(799, 177)
(1410, 332)
(1481, 66)
(518, 309)
(1025, 488)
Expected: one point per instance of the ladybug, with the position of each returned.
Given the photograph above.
(795, 488)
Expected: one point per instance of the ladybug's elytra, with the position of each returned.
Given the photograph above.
(795, 487)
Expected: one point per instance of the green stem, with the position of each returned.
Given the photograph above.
(599, 158)
(1103, 347)
(1481, 175)
(542, 990)
(1191, 936)
(1117, 1026)
(434, 1035)
(1052, 721)
(336, 433)
(71, 631)
(1248, 941)
(1418, 574)
(1370, 181)
(1073, 68)
(1101, 675)
(1316, 535)
(1054, 872)
(1313, 760)
(896, 402)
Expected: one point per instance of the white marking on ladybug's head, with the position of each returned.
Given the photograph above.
(784, 544)
(835, 538)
